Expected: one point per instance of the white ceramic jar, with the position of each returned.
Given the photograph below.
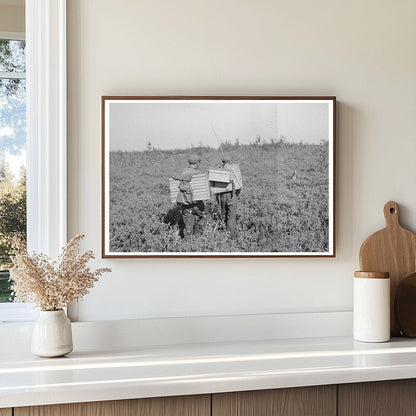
(371, 309)
(52, 334)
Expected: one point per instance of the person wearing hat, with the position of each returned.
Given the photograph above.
(192, 211)
(228, 201)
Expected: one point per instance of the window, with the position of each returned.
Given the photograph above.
(12, 154)
(46, 135)
(12, 165)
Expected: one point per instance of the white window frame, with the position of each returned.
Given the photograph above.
(46, 134)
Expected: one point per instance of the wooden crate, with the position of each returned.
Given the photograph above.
(236, 176)
(174, 189)
(199, 186)
(218, 187)
(219, 176)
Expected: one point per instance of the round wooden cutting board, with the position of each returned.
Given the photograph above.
(405, 305)
(393, 250)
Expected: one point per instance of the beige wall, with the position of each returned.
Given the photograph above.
(12, 18)
(361, 51)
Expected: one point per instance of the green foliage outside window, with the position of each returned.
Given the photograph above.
(12, 147)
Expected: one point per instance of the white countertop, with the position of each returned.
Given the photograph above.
(151, 371)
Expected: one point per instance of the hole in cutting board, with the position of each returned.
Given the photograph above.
(392, 210)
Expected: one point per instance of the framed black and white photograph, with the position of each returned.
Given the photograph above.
(218, 176)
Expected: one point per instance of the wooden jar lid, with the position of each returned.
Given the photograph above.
(372, 275)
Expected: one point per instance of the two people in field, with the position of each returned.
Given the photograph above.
(193, 211)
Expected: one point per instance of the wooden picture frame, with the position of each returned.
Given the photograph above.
(281, 149)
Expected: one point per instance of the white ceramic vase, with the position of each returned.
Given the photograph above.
(52, 334)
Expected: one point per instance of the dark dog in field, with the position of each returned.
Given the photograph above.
(174, 217)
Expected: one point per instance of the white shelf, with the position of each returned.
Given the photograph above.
(151, 371)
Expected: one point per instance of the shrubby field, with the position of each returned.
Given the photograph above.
(283, 206)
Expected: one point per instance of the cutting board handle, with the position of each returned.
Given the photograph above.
(391, 214)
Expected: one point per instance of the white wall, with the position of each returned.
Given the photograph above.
(361, 51)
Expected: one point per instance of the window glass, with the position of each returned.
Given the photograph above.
(12, 56)
(12, 156)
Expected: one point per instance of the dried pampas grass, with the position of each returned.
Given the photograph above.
(53, 285)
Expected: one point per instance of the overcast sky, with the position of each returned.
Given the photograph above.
(181, 124)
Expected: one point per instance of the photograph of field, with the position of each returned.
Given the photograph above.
(283, 208)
